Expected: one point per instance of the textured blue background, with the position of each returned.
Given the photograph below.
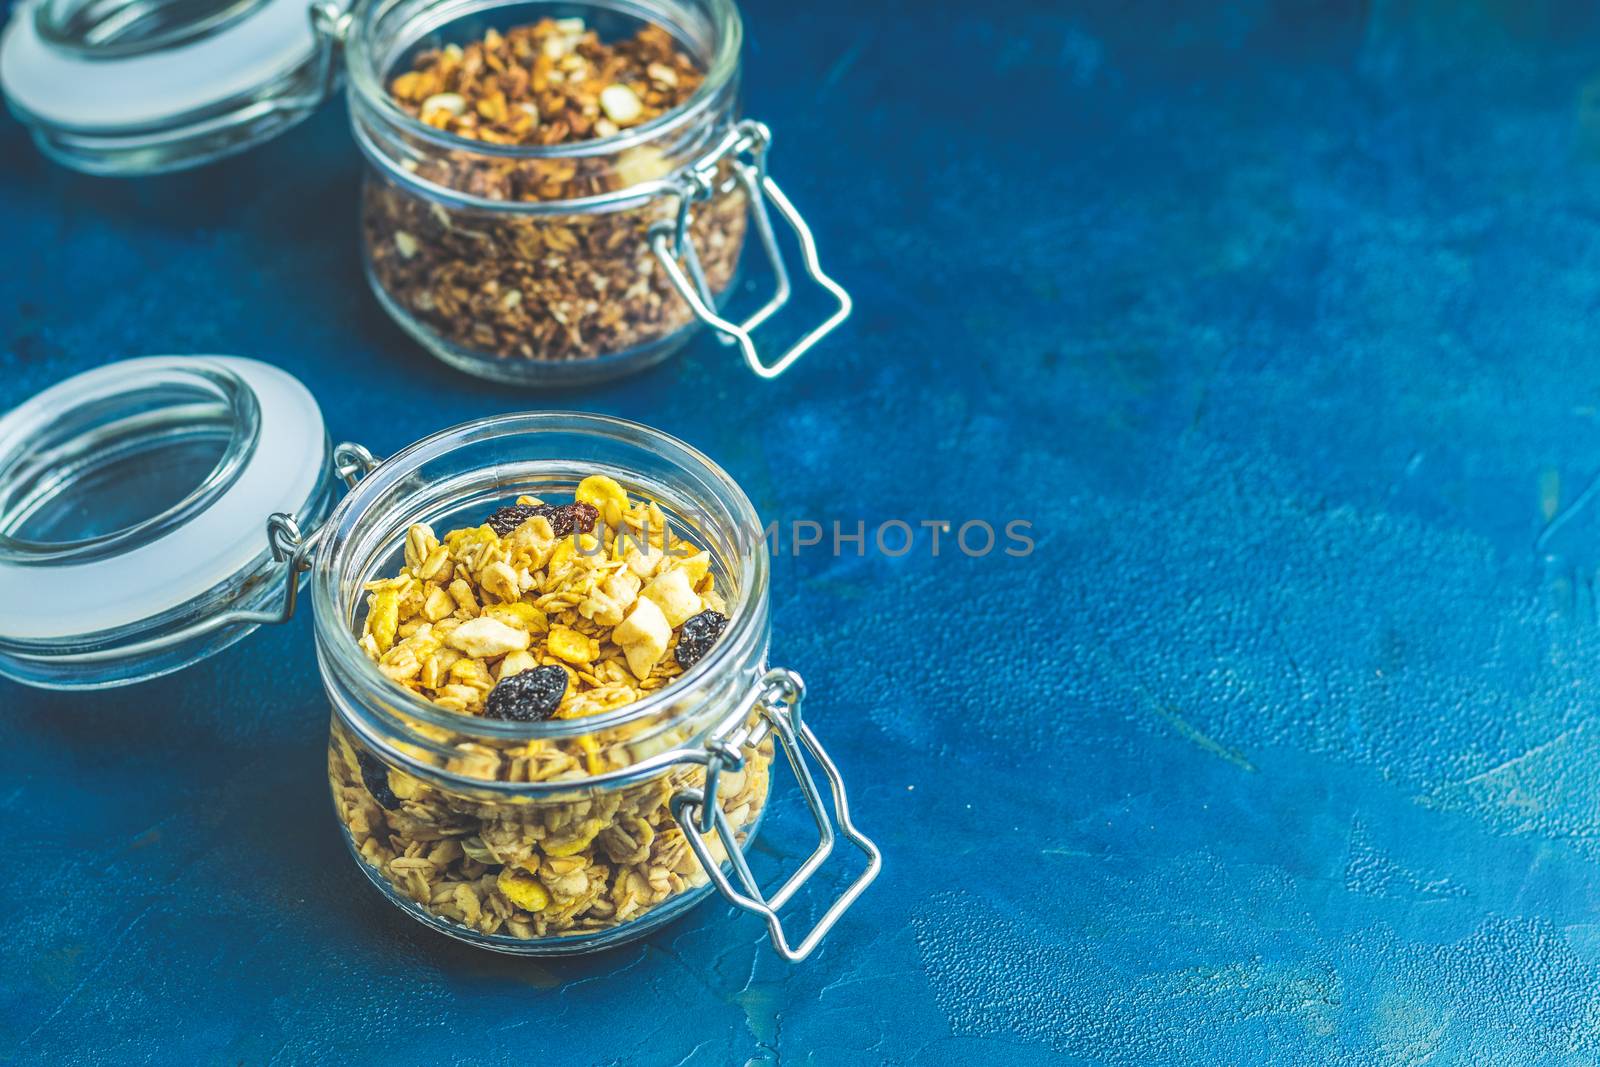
(1279, 321)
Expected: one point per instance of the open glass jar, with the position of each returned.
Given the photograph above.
(531, 263)
(528, 837)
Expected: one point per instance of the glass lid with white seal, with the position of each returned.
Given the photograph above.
(154, 511)
(146, 86)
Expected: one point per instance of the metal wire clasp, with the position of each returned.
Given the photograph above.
(777, 698)
(745, 146)
(290, 546)
(293, 547)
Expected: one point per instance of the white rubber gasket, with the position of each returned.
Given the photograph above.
(45, 601)
(74, 92)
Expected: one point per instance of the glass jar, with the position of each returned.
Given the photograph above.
(529, 264)
(536, 838)
(134, 504)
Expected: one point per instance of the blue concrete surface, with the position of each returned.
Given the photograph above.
(1281, 323)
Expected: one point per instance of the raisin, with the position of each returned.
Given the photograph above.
(528, 696)
(575, 516)
(509, 518)
(375, 776)
(564, 518)
(699, 633)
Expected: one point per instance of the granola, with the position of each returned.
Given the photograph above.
(526, 286)
(514, 620)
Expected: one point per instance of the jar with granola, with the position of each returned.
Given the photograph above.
(556, 193)
(564, 199)
(543, 636)
(557, 725)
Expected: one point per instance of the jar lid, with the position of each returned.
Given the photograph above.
(134, 505)
(143, 86)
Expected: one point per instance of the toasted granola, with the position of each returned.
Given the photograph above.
(553, 82)
(542, 287)
(472, 616)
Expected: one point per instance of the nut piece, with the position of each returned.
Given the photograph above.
(608, 604)
(643, 163)
(621, 104)
(643, 637)
(671, 593)
(646, 561)
(515, 663)
(452, 103)
(485, 638)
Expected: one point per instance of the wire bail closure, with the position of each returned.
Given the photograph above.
(777, 699)
(745, 146)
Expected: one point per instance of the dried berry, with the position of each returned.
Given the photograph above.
(528, 696)
(699, 633)
(375, 776)
(575, 516)
(564, 518)
(510, 517)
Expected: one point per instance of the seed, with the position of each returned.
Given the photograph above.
(528, 696)
(699, 633)
(405, 243)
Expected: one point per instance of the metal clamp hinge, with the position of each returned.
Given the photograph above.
(330, 24)
(745, 147)
(778, 699)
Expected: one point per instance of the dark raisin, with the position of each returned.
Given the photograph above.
(564, 518)
(529, 696)
(574, 516)
(699, 633)
(375, 776)
(509, 518)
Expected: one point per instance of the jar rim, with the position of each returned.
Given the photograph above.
(106, 29)
(366, 83)
(336, 642)
(135, 602)
(89, 429)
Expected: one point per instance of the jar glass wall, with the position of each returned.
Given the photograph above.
(542, 837)
(532, 263)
